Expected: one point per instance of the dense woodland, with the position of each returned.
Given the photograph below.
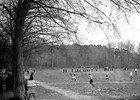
(118, 55)
(76, 55)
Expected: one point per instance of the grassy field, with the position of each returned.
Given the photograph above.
(44, 94)
(119, 86)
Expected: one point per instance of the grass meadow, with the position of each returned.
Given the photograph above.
(118, 87)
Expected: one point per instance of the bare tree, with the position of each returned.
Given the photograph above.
(129, 47)
(121, 46)
(31, 22)
(27, 23)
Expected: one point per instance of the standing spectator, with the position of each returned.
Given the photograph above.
(9, 82)
(131, 75)
(26, 78)
(136, 71)
(26, 75)
(91, 80)
(26, 85)
(31, 76)
(1, 84)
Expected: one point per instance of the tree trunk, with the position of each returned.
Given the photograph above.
(18, 69)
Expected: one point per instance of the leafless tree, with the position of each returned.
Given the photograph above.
(27, 23)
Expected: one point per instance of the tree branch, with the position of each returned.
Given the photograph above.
(8, 11)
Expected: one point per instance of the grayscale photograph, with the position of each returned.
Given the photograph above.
(69, 50)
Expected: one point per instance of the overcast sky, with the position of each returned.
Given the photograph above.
(128, 31)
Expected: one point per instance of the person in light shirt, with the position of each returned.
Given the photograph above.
(136, 71)
(91, 80)
(26, 77)
(131, 75)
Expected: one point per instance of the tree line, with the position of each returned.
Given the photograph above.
(76, 55)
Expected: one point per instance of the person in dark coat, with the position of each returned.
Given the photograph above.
(1, 84)
(9, 82)
(26, 86)
(31, 76)
(91, 80)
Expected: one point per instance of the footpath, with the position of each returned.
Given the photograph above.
(69, 94)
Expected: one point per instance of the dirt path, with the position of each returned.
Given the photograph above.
(70, 94)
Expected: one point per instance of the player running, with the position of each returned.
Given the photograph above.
(136, 71)
(107, 76)
(91, 80)
(131, 75)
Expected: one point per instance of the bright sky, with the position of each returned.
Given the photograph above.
(128, 31)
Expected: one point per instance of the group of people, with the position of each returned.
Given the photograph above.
(73, 77)
(28, 77)
(131, 74)
(8, 82)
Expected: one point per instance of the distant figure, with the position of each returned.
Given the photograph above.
(96, 69)
(72, 70)
(9, 82)
(74, 77)
(106, 68)
(31, 76)
(1, 84)
(136, 71)
(84, 70)
(70, 75)
(112, 67)
(125, 67)
(91, 80)
(107, 76)
(131, 75)
(80, 70)
(91, 69)
(64, 70)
